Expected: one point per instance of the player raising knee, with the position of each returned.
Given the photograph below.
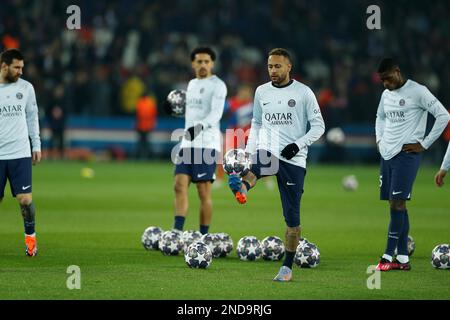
(278, 143)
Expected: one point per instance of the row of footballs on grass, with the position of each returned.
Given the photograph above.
(249, 248)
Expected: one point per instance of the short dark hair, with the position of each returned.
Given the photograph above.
(280, 52)
(206, 50)
(387, 64)
(9, 55)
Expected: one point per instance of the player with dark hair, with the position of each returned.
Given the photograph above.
(278, 143)
(197, 159)
(18, 124)
(440, 175)
(400, 136)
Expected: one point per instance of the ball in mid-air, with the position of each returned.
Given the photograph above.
(177, 102)
(249, 248)
(150, 238)
(272, 248)
(335, 136)
(236, 161)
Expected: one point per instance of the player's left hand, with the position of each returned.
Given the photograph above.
(290, 151)
(36, 157)
(193, 132)
(439, 177)
(413, 147)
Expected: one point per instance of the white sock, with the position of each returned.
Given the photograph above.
(387, 257)
(402, 259)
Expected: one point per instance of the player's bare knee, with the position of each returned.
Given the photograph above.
(398, 205)
(292, 238)
(24, 199)
(180, 188)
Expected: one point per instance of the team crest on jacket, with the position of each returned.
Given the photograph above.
(19, 95)
(291, 103)
(402, 102)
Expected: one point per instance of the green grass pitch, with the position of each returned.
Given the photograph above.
(97, 223)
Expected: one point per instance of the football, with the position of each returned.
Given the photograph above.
(212, 240)
(335, 136)
(350, 183)
(177, 102)
(198, 255)
(411, 246)
(272, 248)
(226, 244)
(171, 243)
(189, 237)
(249, 248)
(307, 255)
(150, 237)
(236, 161)
(440, 256)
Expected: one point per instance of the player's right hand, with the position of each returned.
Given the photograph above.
(439, 178)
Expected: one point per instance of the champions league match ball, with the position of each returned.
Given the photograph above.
(249, 248)
(177, 102)
(440, 256)
(198, 255)
(335, 136)
(307, 255)
(150, 238)
(189, 237)
(212, 240)
(235, 161)
(350, 183)
(272, 248)
(226, 244)
(171, 243)
(411, 246)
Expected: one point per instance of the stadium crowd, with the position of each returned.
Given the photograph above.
(125, 49)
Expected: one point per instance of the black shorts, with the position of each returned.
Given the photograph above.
(397, 176)
(18, 173)
(199, 164)
(290, 180)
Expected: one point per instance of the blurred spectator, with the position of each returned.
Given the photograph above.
(56, 117)
(146, 113)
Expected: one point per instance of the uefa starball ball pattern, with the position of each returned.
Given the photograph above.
(272, 248)
(212, 240)
(171, 243)
(307, 255)
(235, 161)
(440, 256)
(150, 238)
(189, 237)
(198, 255)
(226, 244)
(177, 101)
(411, 246)
(249, 248)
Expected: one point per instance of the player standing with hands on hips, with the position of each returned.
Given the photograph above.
(18, 124)
(196, 162)
(400, 136)
(278, 142)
